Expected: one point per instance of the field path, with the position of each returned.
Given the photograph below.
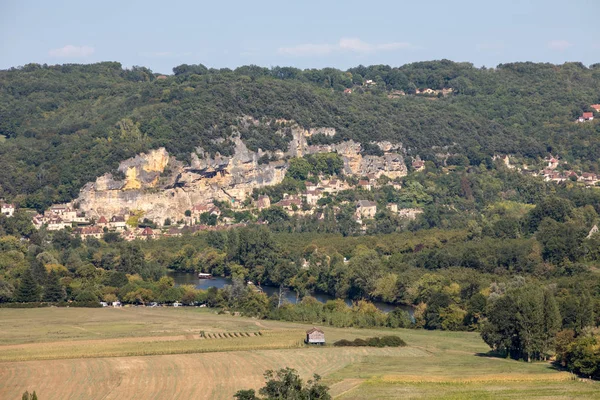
(185, 376)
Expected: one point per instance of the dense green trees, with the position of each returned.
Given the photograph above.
(286, 384)
(53, 290)
(28, 290)
(523, 323)
(582, 356)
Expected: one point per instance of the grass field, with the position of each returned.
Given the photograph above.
(146, 353)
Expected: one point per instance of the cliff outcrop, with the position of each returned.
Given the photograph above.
(163, 187)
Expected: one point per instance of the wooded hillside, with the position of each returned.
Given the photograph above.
(64, 125)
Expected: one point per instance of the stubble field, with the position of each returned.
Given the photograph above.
(193, 353)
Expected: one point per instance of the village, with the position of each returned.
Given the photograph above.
(130, 224)
(554, 171)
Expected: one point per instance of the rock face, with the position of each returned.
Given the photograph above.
(163, 187)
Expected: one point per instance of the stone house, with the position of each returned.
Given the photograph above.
(312, 196)
(7, 209)
(117, 222)
(365, 185)
(56, 224)
(418, 165)
(102, 222)
(91, 231)
(263, 202)
(289, 203)
(366, 209)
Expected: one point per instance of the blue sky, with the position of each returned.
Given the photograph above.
(304, 34)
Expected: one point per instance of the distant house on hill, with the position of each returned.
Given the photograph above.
(418, 165)
(118, 222)
(289, 203)
(364, 184)
(596, 107)
(366, 209)
(263, 202)
(91, 231)
(7, 209)
(552, 162)
(348, 91)
(586, 116)
(102, 222)
(315, 336)
(147, 233)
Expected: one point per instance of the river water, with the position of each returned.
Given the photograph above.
(191, 278)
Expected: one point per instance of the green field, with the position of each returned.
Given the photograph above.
(160, 353)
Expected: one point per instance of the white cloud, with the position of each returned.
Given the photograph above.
(353, 45)
(356, 45)
(560, 45)
(70, 51)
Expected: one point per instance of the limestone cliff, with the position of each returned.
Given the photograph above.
(163, 187)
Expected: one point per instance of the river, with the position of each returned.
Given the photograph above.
(191, 278)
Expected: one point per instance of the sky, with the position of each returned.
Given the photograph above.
(303, 34)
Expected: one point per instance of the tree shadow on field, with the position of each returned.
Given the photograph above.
(553, 365)
(494, 354)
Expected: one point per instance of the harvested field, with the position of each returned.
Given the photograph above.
(195, 353)
(192, 376)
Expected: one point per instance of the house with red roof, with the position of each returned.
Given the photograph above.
(364, 184)
(596, 107)
(102, 222)
(586, 116)
(147, 233)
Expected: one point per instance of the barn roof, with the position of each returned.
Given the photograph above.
(313, 330)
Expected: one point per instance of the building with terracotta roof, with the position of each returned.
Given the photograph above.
(364, 184)
(586, 116)
(102, 222)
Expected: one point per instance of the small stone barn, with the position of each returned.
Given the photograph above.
(315, 336)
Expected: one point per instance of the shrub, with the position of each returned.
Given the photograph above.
(385, 341)
(392, 341)
(343, 343)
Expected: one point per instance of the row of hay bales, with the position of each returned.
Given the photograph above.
(228, 335)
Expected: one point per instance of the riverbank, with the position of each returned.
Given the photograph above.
(289, 296)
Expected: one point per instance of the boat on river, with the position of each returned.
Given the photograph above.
(202, 275)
